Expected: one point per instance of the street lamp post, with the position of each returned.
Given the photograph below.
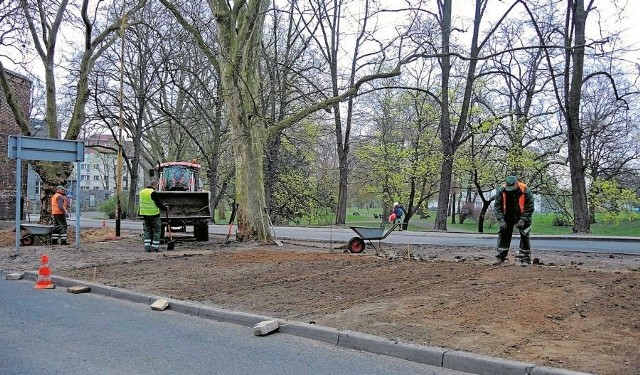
(120, 123)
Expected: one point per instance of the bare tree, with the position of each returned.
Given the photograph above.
(610, 135)
(44, 20)
(240, 28)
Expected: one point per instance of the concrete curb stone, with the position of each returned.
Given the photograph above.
(310, 331)
(481, 364)
(182, 307)
(235, 317)
(433, 356)
(543, 370)
(427, 355)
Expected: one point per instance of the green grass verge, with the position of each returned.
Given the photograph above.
(542, 224)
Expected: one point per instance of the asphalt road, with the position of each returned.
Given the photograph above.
(562, 243)
(340, 236)
(55, 332)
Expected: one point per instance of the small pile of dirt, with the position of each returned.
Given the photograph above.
(93, 235)
(7, 237)
(89, 235)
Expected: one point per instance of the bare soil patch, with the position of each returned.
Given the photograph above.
(577, 311)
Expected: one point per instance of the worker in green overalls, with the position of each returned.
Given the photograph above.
(150, 206)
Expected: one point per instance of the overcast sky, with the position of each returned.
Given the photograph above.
(609, 17)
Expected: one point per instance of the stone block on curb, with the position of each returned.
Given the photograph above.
(160, 305)
(77, 289)
(15, 276)
(265, 327)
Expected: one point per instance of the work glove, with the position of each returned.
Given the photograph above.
(503, 225)
(520, 224)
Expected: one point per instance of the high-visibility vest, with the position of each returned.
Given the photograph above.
(521, 199)
(55, 209)
(147, 205)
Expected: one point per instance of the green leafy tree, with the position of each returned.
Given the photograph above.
(613, 202)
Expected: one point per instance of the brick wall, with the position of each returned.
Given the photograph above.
(8, 126)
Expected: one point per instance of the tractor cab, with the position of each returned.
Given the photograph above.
(178, 176)
(180, 190)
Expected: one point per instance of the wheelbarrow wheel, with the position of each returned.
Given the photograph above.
(356, 245)
(26, 240)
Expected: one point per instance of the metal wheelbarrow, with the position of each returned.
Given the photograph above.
(357, 244)
(36, 232)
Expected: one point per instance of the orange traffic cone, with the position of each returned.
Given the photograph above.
(44, 280)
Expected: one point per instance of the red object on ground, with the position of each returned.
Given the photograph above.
(44, 280)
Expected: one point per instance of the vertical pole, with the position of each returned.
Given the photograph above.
(77, 205)
(119, 165)
(18, 188)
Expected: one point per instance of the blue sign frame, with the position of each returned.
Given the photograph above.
(44, 149)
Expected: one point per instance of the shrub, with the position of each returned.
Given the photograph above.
(560, 221)
(109, 207)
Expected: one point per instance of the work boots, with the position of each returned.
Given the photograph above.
(501, 257)
(524, 257)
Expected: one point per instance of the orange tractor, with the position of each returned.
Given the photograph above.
(180, 189)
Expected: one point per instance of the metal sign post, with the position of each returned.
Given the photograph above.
(45, 149)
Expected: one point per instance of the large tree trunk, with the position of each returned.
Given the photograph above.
(240, 32)
(574, 136)
(450, 142)
(52, 174)
(446, 170)
(341, 207)
(249, 151)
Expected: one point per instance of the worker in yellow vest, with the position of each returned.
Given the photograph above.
(514, 206)
(59, 207)
(150, 206)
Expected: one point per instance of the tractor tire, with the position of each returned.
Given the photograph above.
(201, 230)
(27, 240)
(356, 245)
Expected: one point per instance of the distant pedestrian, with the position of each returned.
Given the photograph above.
(150, 206)
(399, 212)
(59, 208)
(514, 206)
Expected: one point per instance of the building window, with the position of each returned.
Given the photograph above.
(38, 187)
(84, 177)
(96, 178)
(96, 188)
(84, 166)
(96, 166)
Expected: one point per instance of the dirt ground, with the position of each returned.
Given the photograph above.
(577, 311)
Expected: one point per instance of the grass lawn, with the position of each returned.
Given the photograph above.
(542, 224)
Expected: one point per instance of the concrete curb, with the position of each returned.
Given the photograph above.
(428, 355)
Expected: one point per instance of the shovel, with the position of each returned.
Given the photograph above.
(171, 244)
